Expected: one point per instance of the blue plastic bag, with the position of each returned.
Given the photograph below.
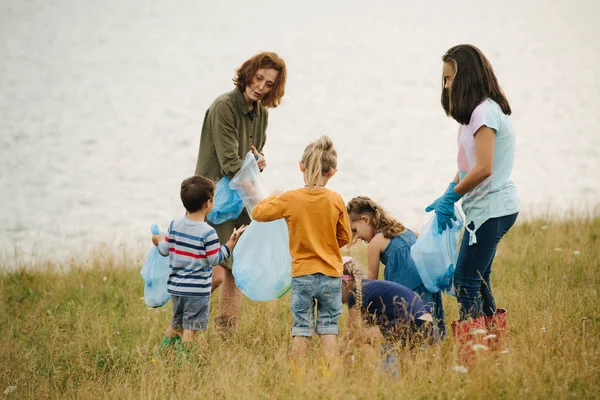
(156, 272)
(435, 254)
(262, 263)
(228, 203)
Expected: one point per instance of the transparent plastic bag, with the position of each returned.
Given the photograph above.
(155, 273)
(248, 183)
(262, 263)
(228, 204)
(435, 254)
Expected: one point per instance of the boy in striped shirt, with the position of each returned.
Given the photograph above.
(193, 249)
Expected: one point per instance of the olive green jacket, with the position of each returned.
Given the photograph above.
(228, 131)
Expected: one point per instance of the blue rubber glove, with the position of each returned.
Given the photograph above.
(444, 207)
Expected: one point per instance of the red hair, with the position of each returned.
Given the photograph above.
(246, 72)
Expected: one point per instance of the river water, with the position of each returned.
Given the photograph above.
(101, 106)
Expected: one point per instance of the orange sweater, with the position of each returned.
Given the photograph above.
(318, 225)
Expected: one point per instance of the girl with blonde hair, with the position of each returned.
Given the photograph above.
(318, 226)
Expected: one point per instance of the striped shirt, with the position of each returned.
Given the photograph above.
(193, 249)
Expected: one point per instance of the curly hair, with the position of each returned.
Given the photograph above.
(319, 158)
(351, 268)
(379, 219)
(246, 72)
(474, 82)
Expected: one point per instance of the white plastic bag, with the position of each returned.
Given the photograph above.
(249, 183)
(435, 254)
(262, 263)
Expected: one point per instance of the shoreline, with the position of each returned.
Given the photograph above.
(135, 253)
(134, 256)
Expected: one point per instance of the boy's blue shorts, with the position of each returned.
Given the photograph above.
(190, 312)
(322, 290)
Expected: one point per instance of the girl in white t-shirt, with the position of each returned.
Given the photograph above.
(486, 148)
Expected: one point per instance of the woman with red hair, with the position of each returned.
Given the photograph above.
(235, 123)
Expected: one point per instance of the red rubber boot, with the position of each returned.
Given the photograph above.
(468, 336)
(497, 327)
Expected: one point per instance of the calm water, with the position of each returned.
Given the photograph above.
(101, 105)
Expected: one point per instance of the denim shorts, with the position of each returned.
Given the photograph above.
(323, 291)
(190, 312)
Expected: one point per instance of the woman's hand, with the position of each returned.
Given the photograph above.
(260, 159)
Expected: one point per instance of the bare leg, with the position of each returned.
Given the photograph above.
(328, 347)
(217, 277)
(299, 349)
(188, 335)
(229, 301)
(172, 332)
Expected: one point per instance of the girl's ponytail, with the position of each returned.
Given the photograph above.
(313, 165)
(319, 158)
(350, 268)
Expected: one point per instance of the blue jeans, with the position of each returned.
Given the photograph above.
(323, 291)
(474, 266)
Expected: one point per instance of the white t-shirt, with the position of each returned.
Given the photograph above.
(497, 195)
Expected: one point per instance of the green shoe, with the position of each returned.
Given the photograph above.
(184, 352)
(168, 342)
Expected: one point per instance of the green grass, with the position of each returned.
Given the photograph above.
(76, 335)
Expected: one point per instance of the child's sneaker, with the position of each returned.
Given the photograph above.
(166, 343)
(184, 352)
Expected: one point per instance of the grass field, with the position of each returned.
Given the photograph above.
(85, 333)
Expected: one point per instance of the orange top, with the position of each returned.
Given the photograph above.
(318, 225)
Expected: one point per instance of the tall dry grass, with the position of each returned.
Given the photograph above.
(85, 333)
